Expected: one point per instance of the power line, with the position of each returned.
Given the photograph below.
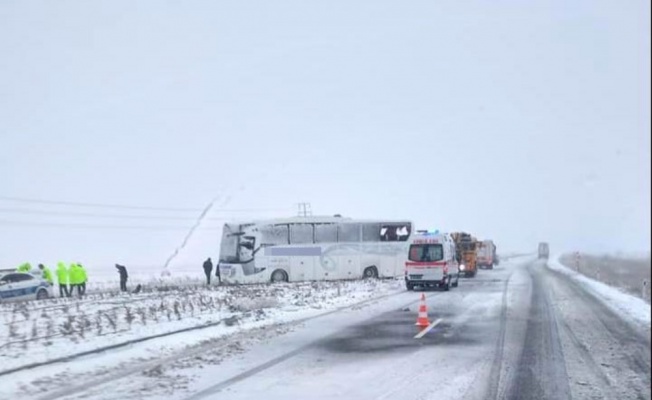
(97, 205)
(92, 215)
(117, 216)
(131, 207)
(90, 226)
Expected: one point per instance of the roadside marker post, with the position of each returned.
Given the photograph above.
(644, 289)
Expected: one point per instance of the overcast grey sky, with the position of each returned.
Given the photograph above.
(519, 121)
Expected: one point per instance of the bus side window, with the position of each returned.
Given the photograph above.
(371, 232)
(388, 233)
(348, 233)
(403, 232)
(274, 235)
(325, 233)
(300, 233)
(395, 233)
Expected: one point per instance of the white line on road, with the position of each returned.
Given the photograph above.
(428, 328)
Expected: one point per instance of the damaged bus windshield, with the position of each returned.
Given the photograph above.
(229, 246)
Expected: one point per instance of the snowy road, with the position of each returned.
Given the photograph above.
(518, 332)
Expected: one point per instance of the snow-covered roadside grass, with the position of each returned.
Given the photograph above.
(626, 272)
(633, 308)
(36, 332)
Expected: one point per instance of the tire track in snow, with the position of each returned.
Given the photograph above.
(275, 361)
(542, 369)
(624, 370)
(126, 372)
(496, 367)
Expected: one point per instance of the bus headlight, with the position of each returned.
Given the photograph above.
(462, 267)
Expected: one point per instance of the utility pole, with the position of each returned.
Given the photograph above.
(304, 209)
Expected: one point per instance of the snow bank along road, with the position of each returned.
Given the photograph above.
(521, 331)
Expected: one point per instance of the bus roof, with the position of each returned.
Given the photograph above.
(318, 220)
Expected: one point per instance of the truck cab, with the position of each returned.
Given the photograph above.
(486, 254)
(431, 262)
(544, 250)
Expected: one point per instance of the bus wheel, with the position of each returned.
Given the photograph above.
(370, 272)
(279, 276)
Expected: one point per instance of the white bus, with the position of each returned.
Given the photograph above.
(313, 248)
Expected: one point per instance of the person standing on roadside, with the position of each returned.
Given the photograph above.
(46, 273)
(208, 270)
(73, 278)
(217, 274)
(62, 279)
(122, 270)
(25, 267)
(82, 280)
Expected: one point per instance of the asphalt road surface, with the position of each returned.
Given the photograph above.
(519, 331)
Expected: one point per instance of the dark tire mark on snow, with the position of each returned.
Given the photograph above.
(496, 366)
(541, 372)
(394, 332)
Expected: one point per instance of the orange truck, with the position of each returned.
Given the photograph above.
(465, 249)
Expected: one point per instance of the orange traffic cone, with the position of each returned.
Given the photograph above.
(422, 319)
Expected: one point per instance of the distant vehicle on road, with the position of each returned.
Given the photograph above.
(486, 254)
(313, 248)
(19, 286)
(431, 262)
(544, 250)
(465, 246)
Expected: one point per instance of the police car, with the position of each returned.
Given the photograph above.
(20, 286)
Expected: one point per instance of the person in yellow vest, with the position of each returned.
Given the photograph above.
(73, 278)
(82, 279)
(62, 279)
(46, 273)
(26, 267)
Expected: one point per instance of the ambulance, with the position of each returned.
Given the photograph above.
(431, 261)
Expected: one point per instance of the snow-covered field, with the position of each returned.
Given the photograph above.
(38, 332)
(635, 309)
(627, 272)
